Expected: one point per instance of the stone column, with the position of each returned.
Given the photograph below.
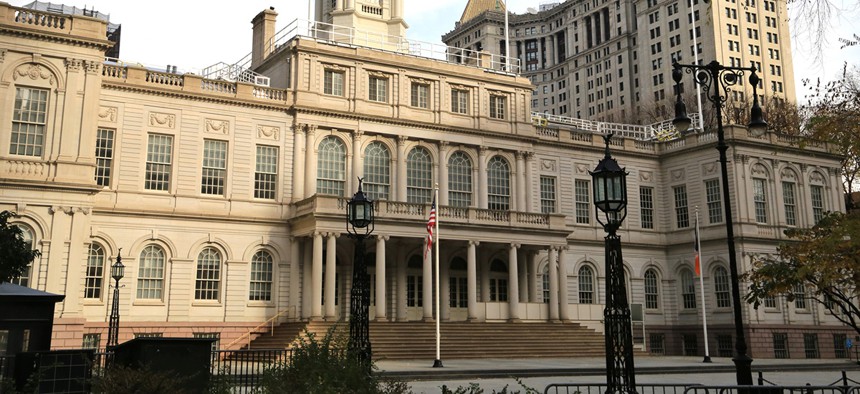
(481, 179)
(298, 163)
(330, 275)
(380, 277)
(534, 290)
(310, 162)
(528, 190)
(317, 278)
(357, 167)
(553, 284)
(295, 271)
(564, 312)
(401, 169)
(307, 279)
(444, 148)
(521, 190)
(513, 284)
(472, 281)
(400, 287)
(427, 278)
(444, 290)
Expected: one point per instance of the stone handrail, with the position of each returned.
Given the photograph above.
(53, 23)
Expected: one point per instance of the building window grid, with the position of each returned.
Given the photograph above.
(29, 119)
(646, 206)
(95, 272)
(420, 92)
(104, 156)
(789, 203)
(261, 277)
(91, 341)
(800, 297)
(715, 205)
(333, 82)
(817, 200)
(839, 348)
(724, 346)
(498, 184)
(331, 167)
(545, 284)
(377, 171)
(658, 343)
(208, 283)
(547, 194)
(214, 167)
(419, 176)
(682, 214)
(688, 289)
(266, 172)
(159, 162)
(150, 274)
(780, 345)
(810, 345)
(586, 285)
(760, 199)
(378, 89)
(651, 289)
(583, 201)
(690, 343)
(721, 288)
(497, 106)
(459, 180)
(459, 99)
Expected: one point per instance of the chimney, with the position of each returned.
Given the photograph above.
(264, 30)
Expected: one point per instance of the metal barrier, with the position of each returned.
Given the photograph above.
(243, 369)
(597, 388)
(808, 389)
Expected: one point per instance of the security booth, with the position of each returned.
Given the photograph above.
(26, 320)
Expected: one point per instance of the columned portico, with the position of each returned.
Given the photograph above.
(427, 285)
(472, 280)
(553, 283)
(513, 284)
(380, 278)
(330, 276)
(317, 278)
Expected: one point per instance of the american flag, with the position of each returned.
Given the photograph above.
(431, 225)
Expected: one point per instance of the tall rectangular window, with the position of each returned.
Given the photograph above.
(760, 199)
(266, 172)
(91, 341)
(800, 297)
(810, 345)
(682, 212)
(104, 156)
(790, 204)
(715, 205)
(817, 195)
(333, 82)
(214, 167)
(459, 100)
(547, 194)
(839, 349)
(377, 89)
(780, 345)
(646, 206)
(420, 92)
(159, 162)
(583, 201)
(497, 106)
(29, 118)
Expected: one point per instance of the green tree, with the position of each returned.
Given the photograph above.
(823, 260)
(15, 253)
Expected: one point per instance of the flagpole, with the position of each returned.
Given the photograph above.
(438, 362)
(702, 288)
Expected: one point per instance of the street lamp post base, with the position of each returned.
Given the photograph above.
(437, 363)
(743, 369)
(707, 359)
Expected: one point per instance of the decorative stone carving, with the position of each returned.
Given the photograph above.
(216, 126)
(457, 86)
(166, 121)
(646, 176)
(678, 175)
(709, 168)
(788, 174)
(420, 81)
(73, 64)
(378, 74)
(816, 177)
(269, 132)
(333, 67)
(33, 71)
(548, 165)
(581, 169)
(108, 114)
(2, 55)
(92, 67)
(759, 169)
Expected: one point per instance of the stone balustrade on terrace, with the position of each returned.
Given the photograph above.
(56, 24)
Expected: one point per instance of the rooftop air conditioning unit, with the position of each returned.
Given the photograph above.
(261, 80)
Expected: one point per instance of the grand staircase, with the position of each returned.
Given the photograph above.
(459, 340)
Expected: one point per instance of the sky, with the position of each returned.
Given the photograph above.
(194, 34)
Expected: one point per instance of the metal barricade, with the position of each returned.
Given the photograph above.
(808, 389)
(598, 388)
(243, 369)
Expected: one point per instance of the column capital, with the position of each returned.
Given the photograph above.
(515, 245)
(520, 155)
(310, 129)
(401, 140)
(444, 145)
(482, 150)
(356, 134)
(383, 237)
(332, 234)
(474, 243)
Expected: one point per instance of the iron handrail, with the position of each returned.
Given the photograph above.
(248, 334)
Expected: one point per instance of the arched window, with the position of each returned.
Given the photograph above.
(419, 176)
(261, 277)
(459, 180)
(586, 285)
(95, 272)
(721, 287)
(331, 166)
(498, 184)
(458, 283)
(208, 282)
(498, 281)
(688, 289)
(652, 292)
(377, 171)
(27, 236)
(150, 274)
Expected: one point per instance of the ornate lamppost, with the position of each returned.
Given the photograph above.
(117, 271)
(359, 225)
(721, 79)
(610, 198)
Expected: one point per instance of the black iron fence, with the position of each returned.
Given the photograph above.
(598, 388)
(243, 369)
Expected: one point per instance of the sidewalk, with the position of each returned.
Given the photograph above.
(536, 367)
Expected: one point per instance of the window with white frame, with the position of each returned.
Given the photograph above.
(91, 341)
(331, 166)
(544, 276)
(586, 285)
(682, 212)
(420, 93)
(459, 101)
(377, 88)
(333, 82)
(150, 274)
(214, 167)
(583, 201)
(159, 162)
(261, 277)
(266, 172)
(646, 206)
(760, 200)
(789, 203)
(459, 180)
(769, 302)
(547, 194)
(104, 156)
(652, 292)
(27, 237)
(499, 184)
(721, 287)
(715, 205)
(208, 283)
(377, 171)
(419, 176)
(498, 104)
(95, 272)
(29, 119)
(688, 289)
(799, 297)
(817, 199)
(498, 281)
